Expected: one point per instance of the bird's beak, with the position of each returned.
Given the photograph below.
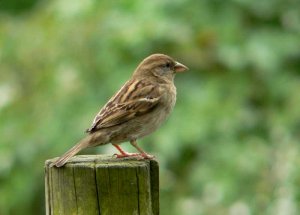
(180, 67)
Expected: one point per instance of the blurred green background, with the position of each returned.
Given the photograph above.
(231, 145)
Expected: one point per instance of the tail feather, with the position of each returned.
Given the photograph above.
(84, 143)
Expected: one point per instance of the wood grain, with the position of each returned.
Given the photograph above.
(99, 184)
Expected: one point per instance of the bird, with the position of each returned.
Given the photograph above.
(141, 105)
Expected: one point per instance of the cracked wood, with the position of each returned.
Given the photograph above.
(102, 185)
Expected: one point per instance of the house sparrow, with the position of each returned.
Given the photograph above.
(136, 110)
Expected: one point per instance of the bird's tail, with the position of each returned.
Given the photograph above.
(84, 143)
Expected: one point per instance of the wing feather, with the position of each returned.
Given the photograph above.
(135, 98)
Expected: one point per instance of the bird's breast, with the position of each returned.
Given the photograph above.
(148, 123)
(169, 97)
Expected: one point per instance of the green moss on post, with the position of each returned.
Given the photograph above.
(102, 185)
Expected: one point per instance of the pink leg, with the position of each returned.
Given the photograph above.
(124, 154)
(142, 153)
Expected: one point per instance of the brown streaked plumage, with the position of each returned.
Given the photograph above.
(136, 110)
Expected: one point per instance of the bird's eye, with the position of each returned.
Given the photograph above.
(168, 65)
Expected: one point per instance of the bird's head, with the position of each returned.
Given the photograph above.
(159, 66)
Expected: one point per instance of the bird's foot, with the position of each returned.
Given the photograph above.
(126, 155)
(147, 156)
(143, 154)
(137, 155)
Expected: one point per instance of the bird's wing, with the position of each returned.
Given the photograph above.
(135, 98)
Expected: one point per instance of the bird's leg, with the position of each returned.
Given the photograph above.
(142, 153)
(124, 154)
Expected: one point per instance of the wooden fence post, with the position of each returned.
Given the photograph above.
(102, 185)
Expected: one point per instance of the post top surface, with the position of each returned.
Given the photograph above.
(105, 160)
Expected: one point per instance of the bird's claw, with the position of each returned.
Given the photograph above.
(139, 156)
(126, 155)
(147, 156)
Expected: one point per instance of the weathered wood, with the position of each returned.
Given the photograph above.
(102, 185)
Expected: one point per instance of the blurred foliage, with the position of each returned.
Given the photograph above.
(231, 145)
